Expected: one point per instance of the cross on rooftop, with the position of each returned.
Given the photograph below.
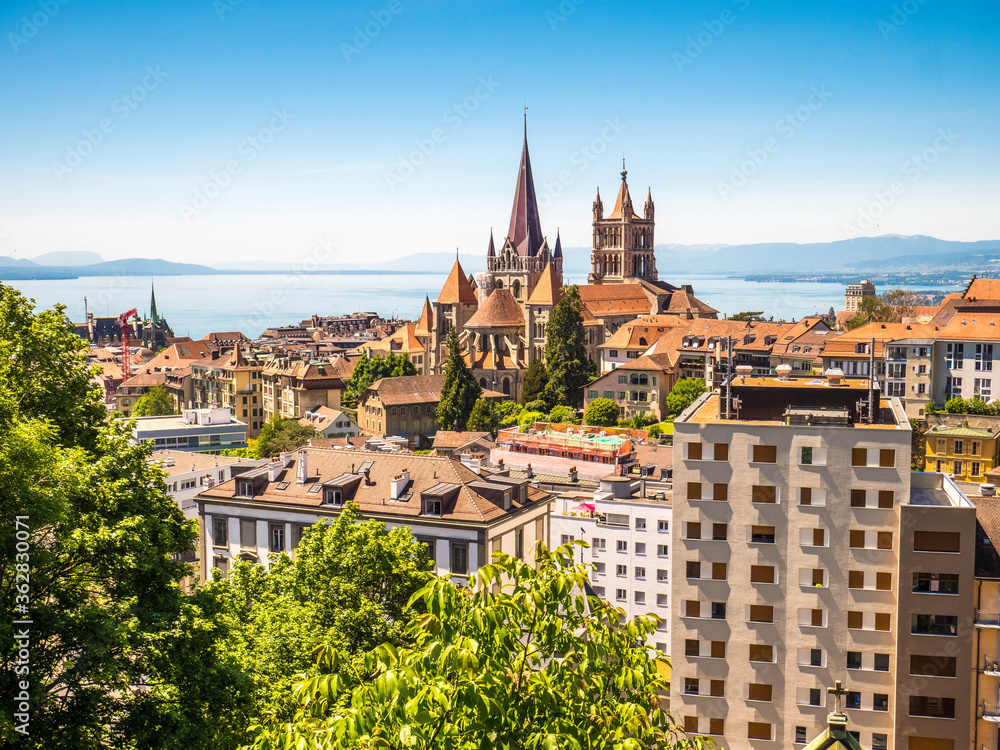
(838, 691)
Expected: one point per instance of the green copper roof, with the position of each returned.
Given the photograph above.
(836, 736)
(962, 432)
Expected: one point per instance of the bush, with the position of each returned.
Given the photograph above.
(601, 412)
(684, 393)
(563, 415)
(653, 431)
(527, 418)
(537, 405)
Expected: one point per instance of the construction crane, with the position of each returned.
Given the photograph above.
(123, 320)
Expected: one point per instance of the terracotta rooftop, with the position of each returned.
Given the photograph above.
(409, 389)
(499, 310)
(462, 502)
(456, 289)
(546, 291)
(322, 417)
(185, 462)
(452, 439)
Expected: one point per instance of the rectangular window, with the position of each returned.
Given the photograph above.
(933, 666)
(640, 574)
(937, 708)
(718, 610)
(763, 494)
(761, 613)
(855, 620)
(220, 531)
(717, 688)
(277, 537)
(761, 574)
(719, 571)
(662, 550)
(640, 524)
(248, 533)
(886, 499)
(720, 532)
(662, 575)
(694, 530)
(934, 624)
(936, 541)
(881, 663)
(758, 730)
(621, 545)
(765, 454)
(694, 451)
(853, 699)
(621, 570)
(693, 569)
(662, 526)
(935, 583)
(640, 548)
(854, 660)
(717, 727)
(801, 736)
(880, 741)
(720, 451)
(621, 594)
(757, 691)
(694, 491)
(883, 621)
(460, 558)
(761, 652)
(762, 534)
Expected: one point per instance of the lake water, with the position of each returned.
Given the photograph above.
(196, 305)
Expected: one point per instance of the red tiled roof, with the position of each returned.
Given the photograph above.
(499, 310)
(456, 289)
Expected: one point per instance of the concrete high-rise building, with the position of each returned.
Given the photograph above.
(805, 552)
(855, 293)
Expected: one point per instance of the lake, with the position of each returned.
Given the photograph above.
(196, 305)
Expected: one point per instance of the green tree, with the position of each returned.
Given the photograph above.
(528, 418)
(890, 307)
(534, 382)
(601, 412)
(750, 315)
(918, 445)
(956, 405)
(684, 393)
(120, 656)
(563, 414)
(349, 585)
(485, 417)
(536, 405)
(368, 369)
(654, 431)
(569, 367)
(520, 659)
(509, 412)
(460, 391)
(156, 403)
(43, 368)
(279, 434)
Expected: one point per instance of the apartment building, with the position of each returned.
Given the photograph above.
(638, 386)
(189, 473)
(629, 538)
(194, 430)
(330, 423)
(986, 668)
(805, 552)
(855, 293)
(291, 387)
(965, 450)
(462, 516)
(963, 357)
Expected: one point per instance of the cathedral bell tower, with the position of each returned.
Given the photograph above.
(623, 241)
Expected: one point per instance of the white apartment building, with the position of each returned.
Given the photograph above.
(196, 430)
(629, 538)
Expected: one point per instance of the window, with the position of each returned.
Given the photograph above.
(719, 571)
(663, 526)
(718, 610)
(717, 688)
(640, 524)
(762, 534)
(880, 741)
(717, 726)
(591, 394)
(984, 356)
(621, 570)
(935, 583)
(954, 356)
(854, 660)
(800, 736)
(277, 537)
(936, 541)
(460, 558)
(763, 494)
(720, 451)
(764, 454)
(640, 574)
(248, 533)
(621, 594)
(692, 686)
(694, 530)
(566, 539)
(430, 547)
(853, 699)
(640, 597)
(694, 451)
(806, 456)
(881, 663)
(761, 652)
(617, 519)
(640, 548)
(933, 666)
(761, 613)
(759, 692)
(662, 550)
(621, 545)
(662, 575)
(693, 569)
(220, 531)
(720, 532)
(758, 730)
(762, 574)
(519, 543)
(432, 506)
(599, 544)
(937, 708)
(934, 624)
(816, 657)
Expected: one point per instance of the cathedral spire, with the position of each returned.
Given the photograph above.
(152, 303)
(557, 253)
(492, 251)
(525, 231)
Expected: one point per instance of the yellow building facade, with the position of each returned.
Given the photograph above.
(966, 453)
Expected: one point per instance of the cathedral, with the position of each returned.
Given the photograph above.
(501, 317)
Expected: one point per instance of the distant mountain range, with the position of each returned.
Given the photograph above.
(863, 255)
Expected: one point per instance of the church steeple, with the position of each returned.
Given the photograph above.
(154, 318)
(492, 251)
(525, 232)
(557, 253)
(598, 207)
(648, 209)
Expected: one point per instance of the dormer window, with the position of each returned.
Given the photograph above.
(244, 488)
(432, 506)
(333, 496)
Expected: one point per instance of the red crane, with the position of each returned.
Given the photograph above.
(123, 320)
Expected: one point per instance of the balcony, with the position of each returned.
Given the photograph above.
(991, 667)
(986, 619)
(991, 712)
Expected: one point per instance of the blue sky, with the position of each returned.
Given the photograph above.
(251, 130)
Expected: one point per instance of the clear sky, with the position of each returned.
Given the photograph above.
(245, 129)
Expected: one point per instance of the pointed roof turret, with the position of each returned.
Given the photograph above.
(557, 253)
(154, 318)
(456, 289)
(546, 291)
(623, 204)
(525, 231)
(426, 323)
(492, 251)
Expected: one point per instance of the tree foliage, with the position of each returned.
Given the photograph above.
(156, 403)
(120, 657)
(278, 435)
(918, 445)
(534, 382)
(684, 393)
(959, 405)
(372, 368)
(563, 414)
(601, 412)
(526, 419)
(569, 368)
(460, 391)
(749, 315)
(890, 307)
(485, 417)
(509, 412)
(348, 586)
(520, 659)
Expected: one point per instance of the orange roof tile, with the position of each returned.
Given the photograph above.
(499, 310)
(546, 291)
(456, 289)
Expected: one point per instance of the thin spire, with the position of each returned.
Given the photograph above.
(152, 302)
(491, 251)
(557, 253)
(525, 231)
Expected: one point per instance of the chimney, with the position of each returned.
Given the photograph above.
(834, 375)
(273, 469)
(368, 477)
(398, 485)
(572, 473)
(286, 458)
(529, 471)
(784, 371)
(303, 471)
